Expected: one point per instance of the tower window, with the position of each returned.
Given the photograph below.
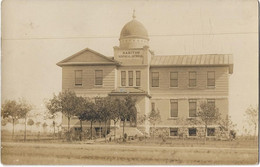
(98, 77)
(138, 78)
(155, 79)
(78, 77)
(130, 78)
(123, 78)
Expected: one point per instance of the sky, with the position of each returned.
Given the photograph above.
(38, 34)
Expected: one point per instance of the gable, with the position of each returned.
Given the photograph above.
(86, 56)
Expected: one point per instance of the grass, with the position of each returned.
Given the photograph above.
(46, 151)
(119, 154)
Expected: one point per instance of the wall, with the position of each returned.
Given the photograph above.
(88, 87)
(183, 89)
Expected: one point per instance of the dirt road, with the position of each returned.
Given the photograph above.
(80, 154)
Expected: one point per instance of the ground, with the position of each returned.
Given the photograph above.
(150, 152)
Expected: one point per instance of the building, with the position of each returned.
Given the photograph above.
(175, 85)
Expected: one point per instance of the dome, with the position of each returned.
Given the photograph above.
(134, 29)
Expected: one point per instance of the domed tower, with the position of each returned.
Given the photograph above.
(133, 35)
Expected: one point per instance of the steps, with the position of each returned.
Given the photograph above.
(130, 131)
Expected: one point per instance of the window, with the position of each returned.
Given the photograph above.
(138, 78)
(78, 77)
(211, 102)
(173, 131)
(192, 132)
(155, 79)
(192, 108)
(174, 79)
(130, 78)
(211, 78)
(153, 106)
(98, 77)
(210, 131)
(174, 108)
(123, 78)
(192, 79)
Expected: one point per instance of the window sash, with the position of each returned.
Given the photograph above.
(211, 102)
(192, 108)
(138, 78)
(192, 132)
(130, 78)
(173, 131)
(174, 108)
(123, 78)
(211, 78)
(98, 77)
(155, 79)
(210, 131)
(192, 79)
(78, 77)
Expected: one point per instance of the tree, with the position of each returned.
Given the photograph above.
(10, 109)
(118, 107)
(30, 122)
(208, 114)
(251, 115)
(24, 108)
(129, 111)
(90, 114)
(154, 118)
(67, 103)
(53, 106)
(44, 125)
(227, 127)
(80, 112)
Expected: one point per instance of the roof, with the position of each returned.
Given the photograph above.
(128, 90)
(98, 59)
(134, 29)
(194, 60)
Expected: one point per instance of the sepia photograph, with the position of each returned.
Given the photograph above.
(127, 82)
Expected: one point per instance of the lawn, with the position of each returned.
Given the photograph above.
(149, 152)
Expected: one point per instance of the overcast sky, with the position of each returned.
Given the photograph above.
(38, 34)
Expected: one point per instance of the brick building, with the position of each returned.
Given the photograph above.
(175, 84)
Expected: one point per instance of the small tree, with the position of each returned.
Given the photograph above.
(44, 125)
(67, 103)
(118, 107)
(10, 109)
(30, 122)
(154, 118)
(208, 114)
(251, 115)
(227, 127)
(24, 108)
(129, 111)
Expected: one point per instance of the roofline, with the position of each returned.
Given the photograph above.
(86, 63)
(86, 49)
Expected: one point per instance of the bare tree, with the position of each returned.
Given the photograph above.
(24, 108)
(208, 115)
(154, 118)
(251, 115)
